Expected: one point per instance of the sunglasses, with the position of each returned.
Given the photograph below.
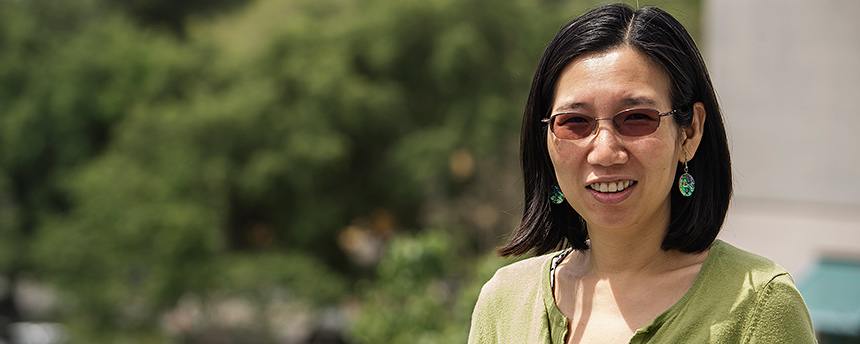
(631, 122)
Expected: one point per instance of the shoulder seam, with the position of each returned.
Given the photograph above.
(753, 318)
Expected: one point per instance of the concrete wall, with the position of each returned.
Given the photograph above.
(787, 73)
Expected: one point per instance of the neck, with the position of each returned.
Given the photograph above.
(614, 257)
(629, 250)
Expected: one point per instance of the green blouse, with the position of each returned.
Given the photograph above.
(738, 297)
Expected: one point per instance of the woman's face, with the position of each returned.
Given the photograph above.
(642, 168)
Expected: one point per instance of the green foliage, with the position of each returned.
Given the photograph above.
(421, 296)
(258, 274)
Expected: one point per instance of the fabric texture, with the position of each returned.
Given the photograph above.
(738, 297)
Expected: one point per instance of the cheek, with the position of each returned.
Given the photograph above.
(661, 158)
(566, 161)
(561, 155)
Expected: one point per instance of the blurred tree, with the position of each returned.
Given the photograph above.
(58, 101)
(171, 15)
(422, 293)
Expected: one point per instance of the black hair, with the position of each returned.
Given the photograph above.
(695, 220)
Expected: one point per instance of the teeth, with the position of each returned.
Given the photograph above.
(611, 187)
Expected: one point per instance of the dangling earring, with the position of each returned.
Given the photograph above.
(686, 183)
(555, 195)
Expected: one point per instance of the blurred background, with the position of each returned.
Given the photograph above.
(786, 73)
(340, 171)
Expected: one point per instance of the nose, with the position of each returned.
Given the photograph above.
(606, 149)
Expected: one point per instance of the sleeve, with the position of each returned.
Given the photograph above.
(780, 315)
(482, 330)
(511, 307)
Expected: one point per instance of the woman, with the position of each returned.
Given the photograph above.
(620, 119)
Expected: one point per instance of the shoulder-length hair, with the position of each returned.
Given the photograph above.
(696, 220)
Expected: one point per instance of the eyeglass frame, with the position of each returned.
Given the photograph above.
(550, 122)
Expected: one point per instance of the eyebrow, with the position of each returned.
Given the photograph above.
(638, 101)
(570, 107)
(626, 102)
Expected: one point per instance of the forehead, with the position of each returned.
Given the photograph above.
(615, 78)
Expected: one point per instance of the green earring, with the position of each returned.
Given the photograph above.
(686, 183)
(555, 195)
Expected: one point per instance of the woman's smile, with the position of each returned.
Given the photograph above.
(611, 193)
(611, 187)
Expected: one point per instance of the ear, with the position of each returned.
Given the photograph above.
(692, 135)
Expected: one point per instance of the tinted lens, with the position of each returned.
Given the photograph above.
(636, 122)
(571, 126)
